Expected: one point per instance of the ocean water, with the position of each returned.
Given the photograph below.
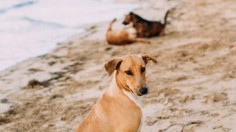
(29, 28)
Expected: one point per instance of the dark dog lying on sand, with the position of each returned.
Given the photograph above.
(145, 28)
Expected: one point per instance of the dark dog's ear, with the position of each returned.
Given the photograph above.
(131, 13)
(112, 65)
(146, 58)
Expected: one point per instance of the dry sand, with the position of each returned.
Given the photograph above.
(193, 87)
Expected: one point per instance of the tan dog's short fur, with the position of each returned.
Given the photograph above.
(121, 37)
(117, 110)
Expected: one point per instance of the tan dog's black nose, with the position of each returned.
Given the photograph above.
(143, 90)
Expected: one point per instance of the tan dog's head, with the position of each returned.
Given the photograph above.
(130, 72)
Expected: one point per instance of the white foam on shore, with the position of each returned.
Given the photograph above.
(33, 27)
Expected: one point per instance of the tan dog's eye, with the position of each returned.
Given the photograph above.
(129, 73)
(143, 69)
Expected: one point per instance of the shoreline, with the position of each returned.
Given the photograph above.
(39, 33)
(192, 86)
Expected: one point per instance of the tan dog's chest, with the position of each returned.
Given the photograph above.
(114, 115)
(124, 116)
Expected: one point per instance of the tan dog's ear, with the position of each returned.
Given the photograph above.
(146, 58)
(112, 65)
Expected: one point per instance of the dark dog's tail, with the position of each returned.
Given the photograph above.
(110, 25)
(165, 19)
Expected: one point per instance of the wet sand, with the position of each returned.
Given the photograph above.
(192, 88)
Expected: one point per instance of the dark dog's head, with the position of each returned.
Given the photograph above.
(128, 18)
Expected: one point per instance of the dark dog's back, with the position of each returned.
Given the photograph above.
(146, 28)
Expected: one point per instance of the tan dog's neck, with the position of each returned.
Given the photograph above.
(117, 88)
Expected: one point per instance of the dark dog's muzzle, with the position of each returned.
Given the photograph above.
(125, 23)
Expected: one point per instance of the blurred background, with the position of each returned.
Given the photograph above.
(33, 27)
(59, 48)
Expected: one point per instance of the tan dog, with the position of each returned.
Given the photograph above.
(121, 37)
(117, 110)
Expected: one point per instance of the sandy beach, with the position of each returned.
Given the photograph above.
(192, 88)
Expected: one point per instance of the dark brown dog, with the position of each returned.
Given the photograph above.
(121, 37)
(145, 28)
